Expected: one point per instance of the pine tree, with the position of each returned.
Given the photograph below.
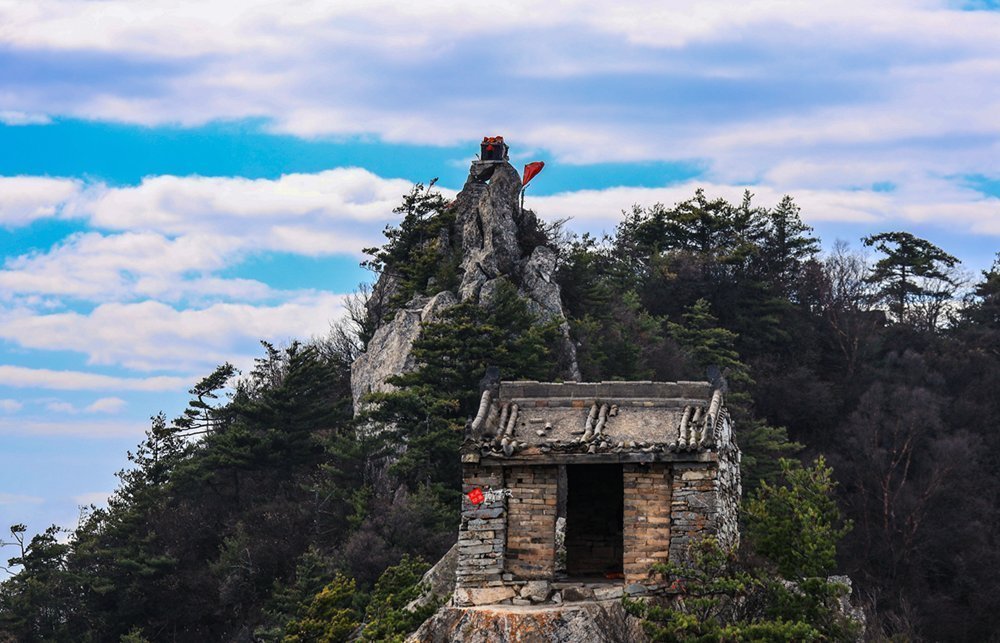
(913, 271)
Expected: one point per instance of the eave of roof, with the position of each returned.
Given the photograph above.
(550, 420)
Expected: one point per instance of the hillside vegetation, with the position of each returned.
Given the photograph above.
(268, 512)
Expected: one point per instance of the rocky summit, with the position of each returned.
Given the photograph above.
(491, 239)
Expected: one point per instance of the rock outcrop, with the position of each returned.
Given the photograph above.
(491, 238)
(389, 350)
(570, 623)
(438, 582)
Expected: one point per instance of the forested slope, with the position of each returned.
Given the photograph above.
(268, 512)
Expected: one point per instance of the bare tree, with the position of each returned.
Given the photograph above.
(846, 298)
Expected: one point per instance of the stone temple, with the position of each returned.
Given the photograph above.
(573, 490)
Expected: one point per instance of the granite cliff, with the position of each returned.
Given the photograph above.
(490, 240)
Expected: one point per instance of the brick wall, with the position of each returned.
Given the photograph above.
(482, 531)
(646, 518)
(531, 521)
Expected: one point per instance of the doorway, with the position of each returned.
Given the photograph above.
(594, 520)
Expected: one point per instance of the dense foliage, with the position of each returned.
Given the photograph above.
(780, 591)
(883, 364)
(268, 512)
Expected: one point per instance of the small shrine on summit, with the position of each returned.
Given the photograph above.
(574, 490)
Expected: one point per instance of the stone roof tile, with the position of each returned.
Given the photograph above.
(595, 417)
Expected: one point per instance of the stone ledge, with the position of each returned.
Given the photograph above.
(585, 621)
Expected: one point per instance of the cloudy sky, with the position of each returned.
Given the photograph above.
(181, 179)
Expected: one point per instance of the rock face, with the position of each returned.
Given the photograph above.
(438, 581)
(571, 623)
(488, 236)
(489, 232)
(389, 350)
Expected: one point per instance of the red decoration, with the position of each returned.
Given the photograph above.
(476, 496)
(531, 170)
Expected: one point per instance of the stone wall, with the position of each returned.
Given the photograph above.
(728, 488)
(483, 530)
(693, 507)
(706, 498)
(531, 521)
(646, 518)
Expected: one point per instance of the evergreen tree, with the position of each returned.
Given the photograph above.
(913, 271)
(797, 523)
(416, 254)
(37, 604)
(787, 245)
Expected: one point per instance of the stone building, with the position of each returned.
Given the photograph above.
(573, 490)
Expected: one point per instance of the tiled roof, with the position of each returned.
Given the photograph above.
(600, 417)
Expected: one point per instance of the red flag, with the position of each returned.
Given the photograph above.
(531, 170)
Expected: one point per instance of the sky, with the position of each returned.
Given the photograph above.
(180, 180)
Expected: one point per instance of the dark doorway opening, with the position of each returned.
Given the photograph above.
(594, 534)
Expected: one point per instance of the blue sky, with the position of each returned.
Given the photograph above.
(181, 179)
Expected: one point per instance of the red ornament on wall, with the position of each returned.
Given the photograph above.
(476, 496)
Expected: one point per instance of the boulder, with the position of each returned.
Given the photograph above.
(536, 590)
(465, 596)
(567, 623)
(489, 232)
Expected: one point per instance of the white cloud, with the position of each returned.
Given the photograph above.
(106, 405)
(24, 377)
(681, 73)
(173, 234)
(19, 499)
(152, 336)
(58, 406)
(10, 406)
(591, 209)
(222, 207)
(97, 267)
(24, 199)
(840, 94)
(76, 428)
(9, 117)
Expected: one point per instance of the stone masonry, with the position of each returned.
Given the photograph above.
(483, 532)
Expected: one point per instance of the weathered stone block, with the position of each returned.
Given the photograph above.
(608, 593)
(467, 596)
(536, 590)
